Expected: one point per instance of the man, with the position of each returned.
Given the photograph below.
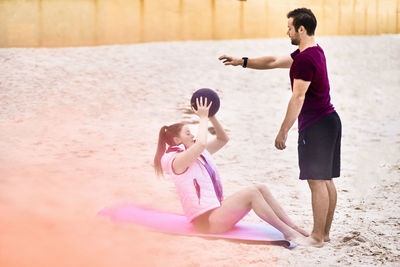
(319, 124)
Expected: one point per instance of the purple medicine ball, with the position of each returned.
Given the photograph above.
(211, 96)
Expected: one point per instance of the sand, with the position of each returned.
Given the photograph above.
(79, 127)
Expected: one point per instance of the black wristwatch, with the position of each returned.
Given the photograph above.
(245, 61)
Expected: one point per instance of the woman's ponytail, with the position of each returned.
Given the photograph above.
(160, 150)
(165, 137)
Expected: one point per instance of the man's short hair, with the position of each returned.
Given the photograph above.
(303, 17)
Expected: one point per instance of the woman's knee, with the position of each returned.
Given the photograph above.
(252, 191)
(263, 189)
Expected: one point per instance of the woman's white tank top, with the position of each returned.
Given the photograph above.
(195, 187)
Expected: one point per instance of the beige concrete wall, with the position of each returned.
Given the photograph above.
(55, 23)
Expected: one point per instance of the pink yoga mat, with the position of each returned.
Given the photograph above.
(177, 224)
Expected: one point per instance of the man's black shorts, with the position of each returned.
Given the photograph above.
(319, 149)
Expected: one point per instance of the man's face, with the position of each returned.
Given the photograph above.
(293, 35)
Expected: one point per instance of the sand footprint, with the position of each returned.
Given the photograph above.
(354, 239)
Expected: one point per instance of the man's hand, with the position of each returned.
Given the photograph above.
(227, 60)
(280, 140)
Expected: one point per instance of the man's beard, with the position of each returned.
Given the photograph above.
(295, 41)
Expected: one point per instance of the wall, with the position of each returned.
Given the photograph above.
(55, 23)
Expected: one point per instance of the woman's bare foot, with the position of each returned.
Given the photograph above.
(301, 231)
(296, 237)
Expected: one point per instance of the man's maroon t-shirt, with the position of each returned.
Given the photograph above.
(310, 65)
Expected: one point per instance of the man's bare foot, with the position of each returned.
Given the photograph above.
(300, 240)
(327, 238)
(311, 242)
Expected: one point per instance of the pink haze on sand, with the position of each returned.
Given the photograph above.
(178, 224)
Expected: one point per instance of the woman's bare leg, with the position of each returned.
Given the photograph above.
(269, 198)
(234, 208)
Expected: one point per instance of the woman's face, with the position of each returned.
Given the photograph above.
(186, 137)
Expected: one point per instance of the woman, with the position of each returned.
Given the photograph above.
(194, 172)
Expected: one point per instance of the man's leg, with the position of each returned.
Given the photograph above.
(320, 206)
(332, 205)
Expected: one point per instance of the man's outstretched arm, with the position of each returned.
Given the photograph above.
(260, 63)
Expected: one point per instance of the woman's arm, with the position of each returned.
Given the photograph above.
(221, 137)
(183, 160)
